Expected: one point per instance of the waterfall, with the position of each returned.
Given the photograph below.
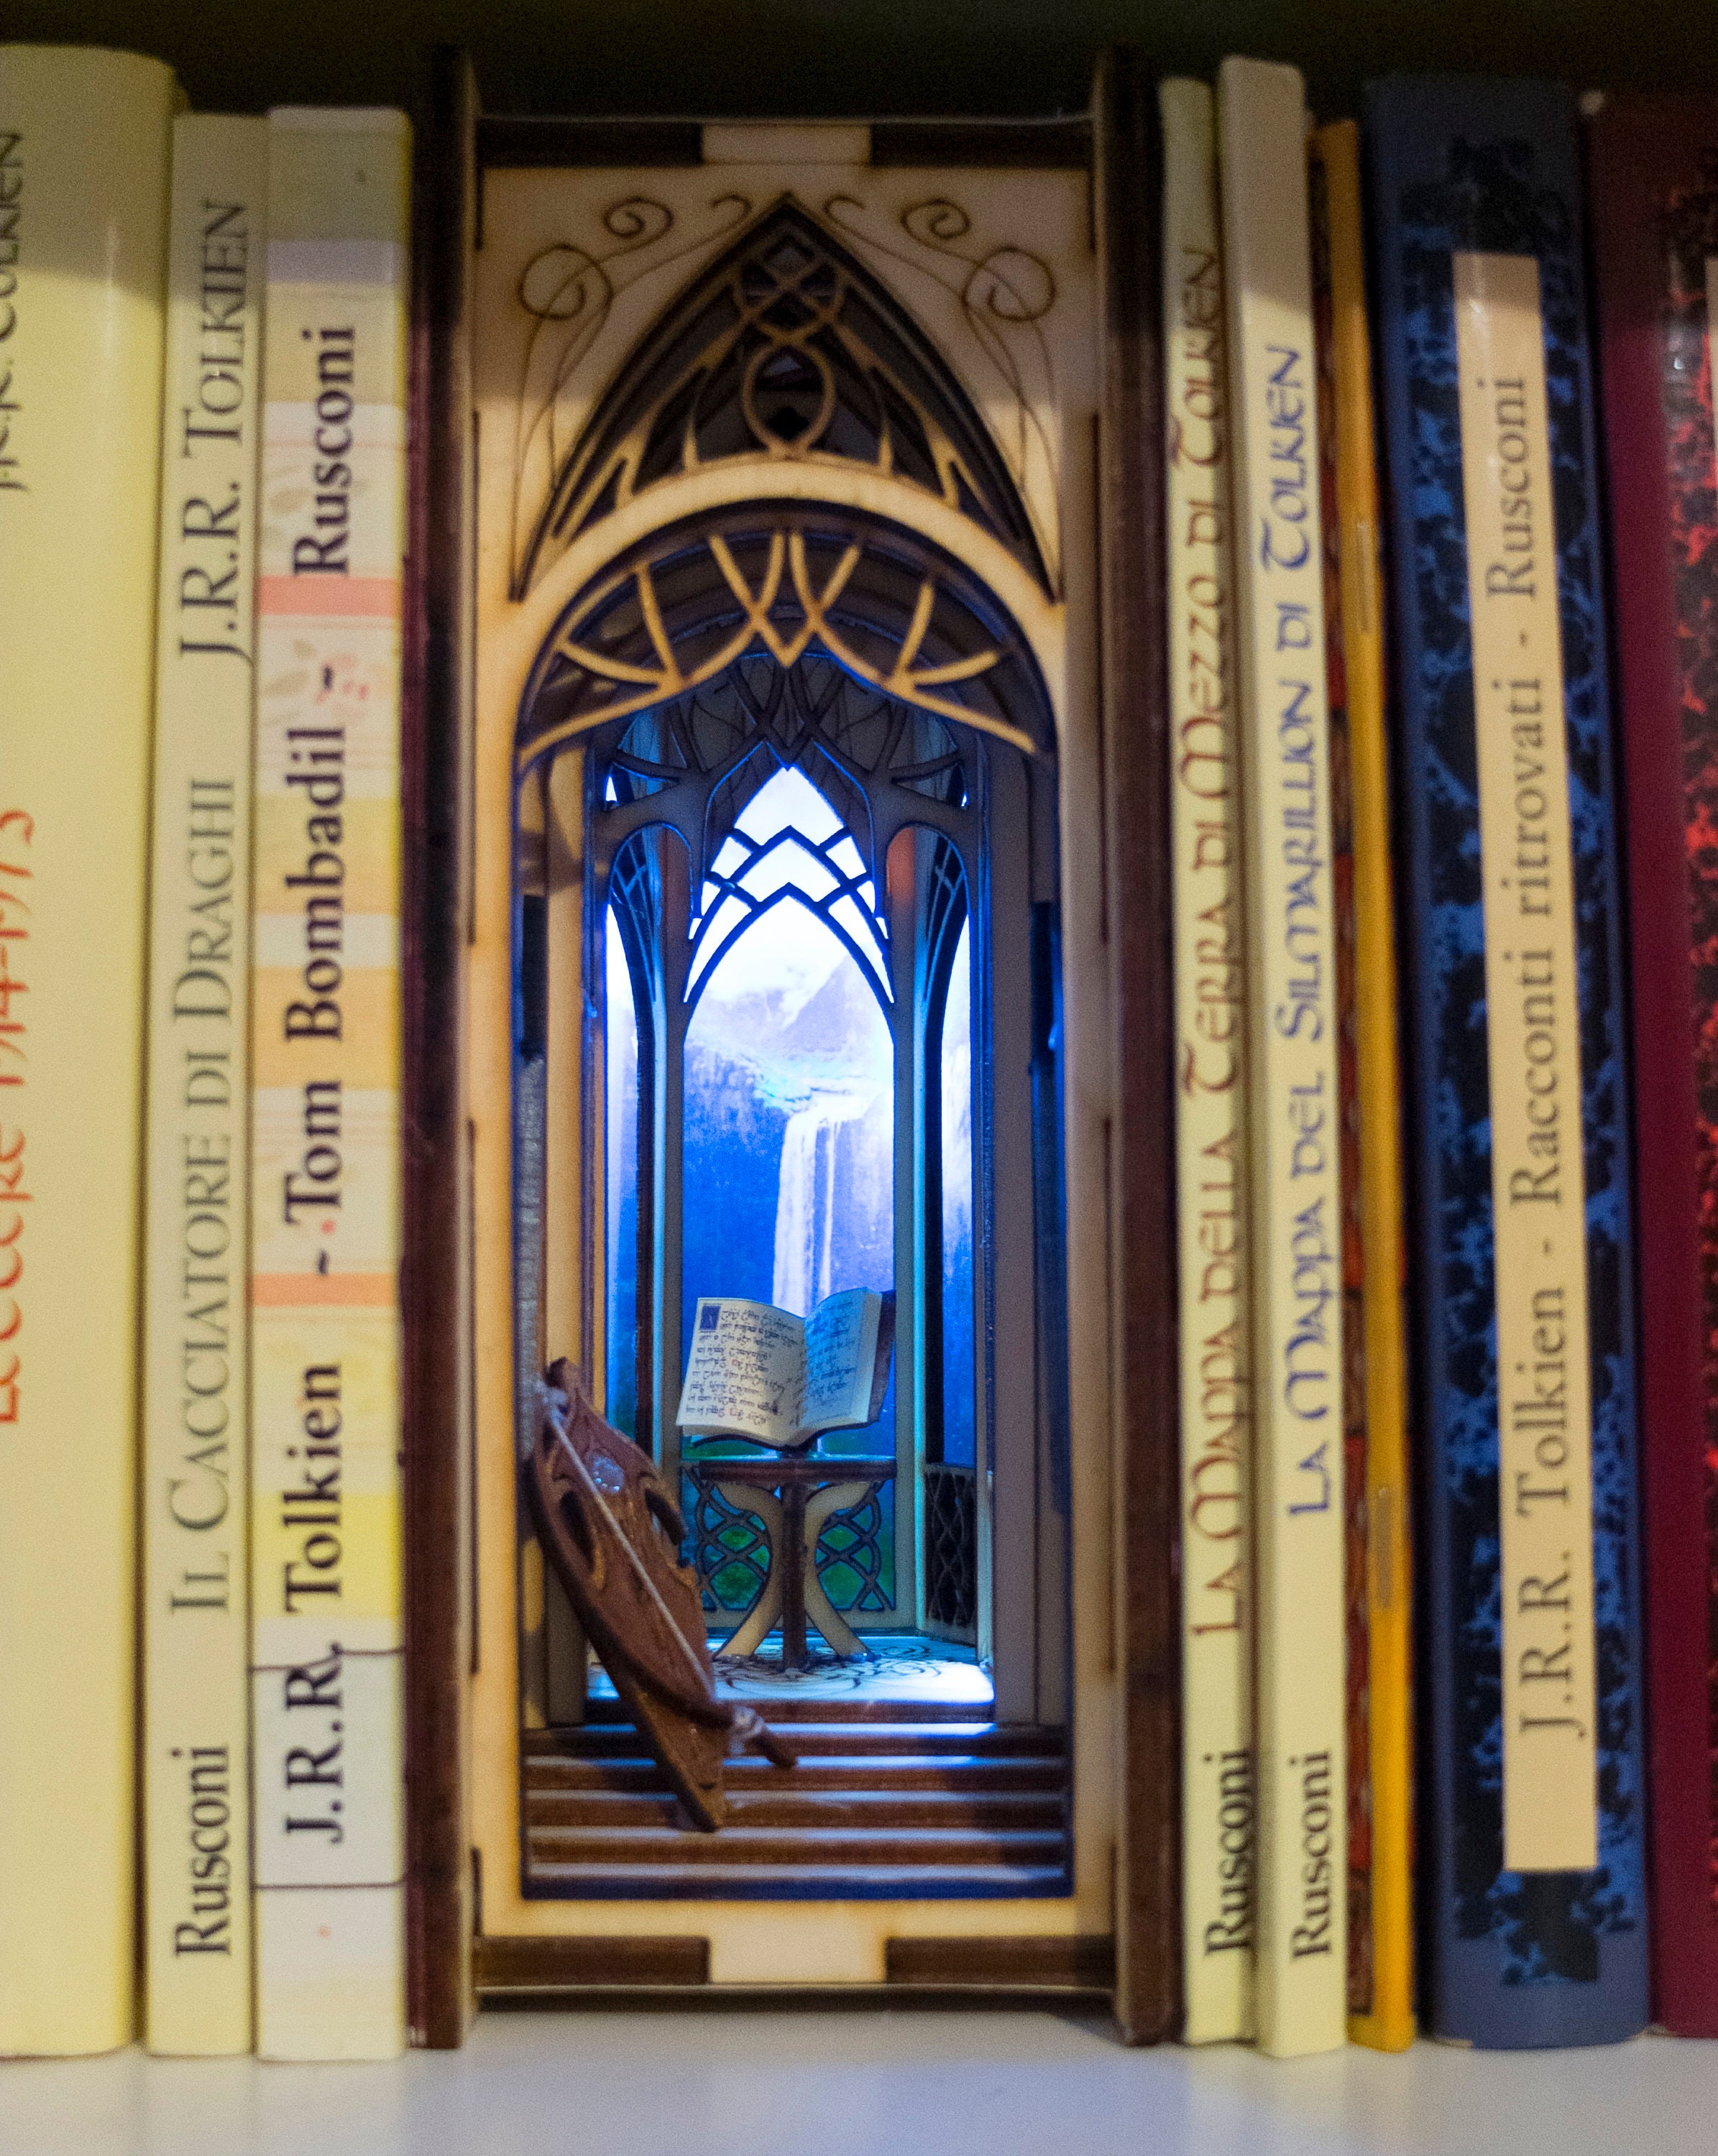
(835, 1199)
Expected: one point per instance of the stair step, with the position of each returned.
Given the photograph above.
(902, 1799)
(796, 1881)
(813, 1771)
(621, 1740)
(814, 1811)
(738, 1845)
(601, 1708)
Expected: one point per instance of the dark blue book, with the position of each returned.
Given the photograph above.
(1533, 1915)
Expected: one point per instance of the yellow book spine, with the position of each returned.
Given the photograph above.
(1219, 1849)
(1381, 1997)
(1297, 1227)
(326, 1506)
(196, 1387)
(84, 141)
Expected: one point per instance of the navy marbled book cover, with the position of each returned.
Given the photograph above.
(1508, 1959)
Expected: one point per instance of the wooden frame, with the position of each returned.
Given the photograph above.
(1128, 195)
(1133, 1088)
(435, 1269)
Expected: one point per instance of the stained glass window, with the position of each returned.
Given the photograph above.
(788, 1104)
(798, 1089)
(788, 1171)
(959, 1435)
(620, 1064)
(789, 1118)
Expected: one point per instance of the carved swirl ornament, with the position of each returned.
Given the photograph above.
(787, 347)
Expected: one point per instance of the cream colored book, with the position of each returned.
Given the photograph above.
(1297, 1221)
(327, 1681)
(84, 141)
(196, 1387)
(1219, 1845)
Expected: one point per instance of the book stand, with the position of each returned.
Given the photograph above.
(793, 1495)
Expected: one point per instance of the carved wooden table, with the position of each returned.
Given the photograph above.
(793, 1495)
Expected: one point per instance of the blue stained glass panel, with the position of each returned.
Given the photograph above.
(620, 1066)
(959, 1437)
(787, 1173)
(787, 1168)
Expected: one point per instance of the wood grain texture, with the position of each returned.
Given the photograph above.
(434, 1271)
(868, 1811)
(1127, 192)
(1079, 1964)
(544, 1964)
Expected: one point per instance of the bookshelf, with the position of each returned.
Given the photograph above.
(762, 2082)
(753, 2074)
(820, 57)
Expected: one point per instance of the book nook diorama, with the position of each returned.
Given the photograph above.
(926, 1269)
(789, 1203)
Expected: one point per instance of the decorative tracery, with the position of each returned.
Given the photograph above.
(879, 692)
(697, 764)
(677, 610)
(788, 348)
(811, 860)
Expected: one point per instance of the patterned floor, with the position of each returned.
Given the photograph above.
(900, 1666)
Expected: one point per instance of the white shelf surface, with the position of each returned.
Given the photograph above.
(847, 2081)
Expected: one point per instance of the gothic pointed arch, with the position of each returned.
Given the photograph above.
(787, 348)
(675, 612)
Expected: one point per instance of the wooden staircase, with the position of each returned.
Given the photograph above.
(889, 1799)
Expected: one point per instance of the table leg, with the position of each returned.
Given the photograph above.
(820, 1611)
(793, 1557)
(756, 1625)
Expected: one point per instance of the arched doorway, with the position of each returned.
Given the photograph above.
(786, 671)
(807, 766)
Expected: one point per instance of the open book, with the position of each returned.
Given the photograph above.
(758, 1372)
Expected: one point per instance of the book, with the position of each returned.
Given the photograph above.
(84, 143)
(1532, 1822)
(1219, 1849)
(767, 1374)
(1374, 1377)
(1297, 1238)
(325, 1500)
(1651, 162)
(196, 1379)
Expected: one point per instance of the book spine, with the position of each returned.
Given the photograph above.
(1218, 1805)
(196, 1383)
(1533, 1842)
(327, 1677)
(1380, 1703)
(1293, 1083)
(84, 145)
(1654, 213)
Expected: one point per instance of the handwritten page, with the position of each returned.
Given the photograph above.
(840, 1358)
(745, 1376)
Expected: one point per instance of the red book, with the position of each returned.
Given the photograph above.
(1654, 172)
